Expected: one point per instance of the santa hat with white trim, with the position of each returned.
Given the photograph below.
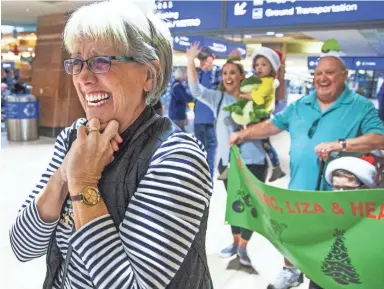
(273, 56)
(362, 167)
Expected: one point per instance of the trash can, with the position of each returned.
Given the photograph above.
(22, 114)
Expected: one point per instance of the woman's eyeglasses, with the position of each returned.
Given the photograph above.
(96, 64)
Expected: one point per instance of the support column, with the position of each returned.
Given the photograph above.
(59, 103)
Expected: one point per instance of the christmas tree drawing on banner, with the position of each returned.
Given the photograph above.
(338, 264)
(278, 229)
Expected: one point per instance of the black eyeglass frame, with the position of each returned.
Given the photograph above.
(110, 58)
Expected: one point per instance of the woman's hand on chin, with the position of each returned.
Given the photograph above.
(91, 153)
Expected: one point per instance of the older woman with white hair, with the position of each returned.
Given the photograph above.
(179, 99)
(124, 201)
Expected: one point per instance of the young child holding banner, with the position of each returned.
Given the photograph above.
(351, 173)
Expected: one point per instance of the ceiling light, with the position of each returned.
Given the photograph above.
(27, 9)
(271, 33)
(279, 35)
(247, 36)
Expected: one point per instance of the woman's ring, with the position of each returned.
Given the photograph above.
(91, 129)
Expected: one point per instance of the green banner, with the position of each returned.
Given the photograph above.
(335, 238)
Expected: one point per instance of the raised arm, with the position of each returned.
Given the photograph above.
(209, 97)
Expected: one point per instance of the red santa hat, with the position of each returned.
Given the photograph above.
(362, 167)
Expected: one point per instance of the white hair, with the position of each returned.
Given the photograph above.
(131, 27)
(180, 73)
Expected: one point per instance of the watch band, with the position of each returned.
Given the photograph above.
(77, 198)
(343, 144)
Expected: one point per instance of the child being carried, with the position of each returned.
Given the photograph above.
(257, 100)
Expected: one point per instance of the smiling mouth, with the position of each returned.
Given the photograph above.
(97, 99)
(324, 85)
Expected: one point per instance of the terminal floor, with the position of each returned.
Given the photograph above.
(20, 167)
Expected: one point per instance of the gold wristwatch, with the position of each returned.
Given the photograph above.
(89, 196)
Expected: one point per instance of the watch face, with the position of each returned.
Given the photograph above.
(91, 196)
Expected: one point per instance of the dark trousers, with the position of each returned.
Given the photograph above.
(180, 123)
(313, 285)
(260, 172)
(206, 134)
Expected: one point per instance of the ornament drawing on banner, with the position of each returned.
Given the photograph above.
(338, 264)
(243, 201)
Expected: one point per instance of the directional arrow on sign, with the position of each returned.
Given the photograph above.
(239, 9)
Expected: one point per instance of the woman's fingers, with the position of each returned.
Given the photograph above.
(111, 131)
(115, 145)
(81, 132)
(118, 138)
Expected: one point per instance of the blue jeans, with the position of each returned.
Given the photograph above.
(207, 135)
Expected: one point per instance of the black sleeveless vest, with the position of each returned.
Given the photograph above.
(119, 182)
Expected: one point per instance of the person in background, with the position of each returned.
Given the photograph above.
(179, 100)
(347, 174)
(351, 173)
(158, 107)
(209, 75)
(266, 63)
(9, 79)
(251, 151)
(332, 118)
(380, 99)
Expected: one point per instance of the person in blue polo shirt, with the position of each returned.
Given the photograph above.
(209, 76)
(331, 118)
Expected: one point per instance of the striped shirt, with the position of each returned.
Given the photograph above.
(160, 224)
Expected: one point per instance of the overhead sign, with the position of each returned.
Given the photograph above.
(241, 14)
(181, 43)
(369, 63)
(190, 15)
(356, 63)
(9, 65)
(221, 48)
(313, 62)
